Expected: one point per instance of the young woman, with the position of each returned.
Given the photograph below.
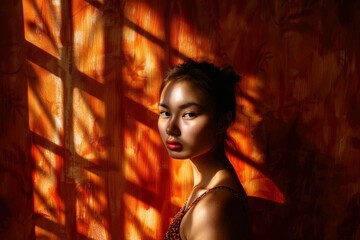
(197, 105)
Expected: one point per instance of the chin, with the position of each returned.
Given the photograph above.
(178, 156)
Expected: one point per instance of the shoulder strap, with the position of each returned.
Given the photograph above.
(236, 194)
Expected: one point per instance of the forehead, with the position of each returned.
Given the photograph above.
(184, 91)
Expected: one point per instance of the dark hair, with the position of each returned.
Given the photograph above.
(218, 82)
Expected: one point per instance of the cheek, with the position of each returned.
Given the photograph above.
(201, 133)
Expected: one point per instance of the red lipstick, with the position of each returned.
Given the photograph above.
(173, 145)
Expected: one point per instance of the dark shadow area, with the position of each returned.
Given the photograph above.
(16, 204)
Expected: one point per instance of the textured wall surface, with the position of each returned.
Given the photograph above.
(80, 154)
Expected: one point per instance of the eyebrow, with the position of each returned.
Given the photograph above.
(183, 106)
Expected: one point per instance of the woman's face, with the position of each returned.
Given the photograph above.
(187, 122)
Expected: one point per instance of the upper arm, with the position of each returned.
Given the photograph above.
(218, 216)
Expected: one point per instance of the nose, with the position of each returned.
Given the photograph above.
(173, 129)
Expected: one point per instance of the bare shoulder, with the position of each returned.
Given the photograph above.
(221, 214)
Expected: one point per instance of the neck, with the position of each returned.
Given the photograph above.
(206, 167)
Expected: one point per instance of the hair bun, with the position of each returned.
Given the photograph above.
(229, 74)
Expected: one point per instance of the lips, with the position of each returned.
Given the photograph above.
(173, 145)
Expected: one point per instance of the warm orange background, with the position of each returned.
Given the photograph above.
(80, 154)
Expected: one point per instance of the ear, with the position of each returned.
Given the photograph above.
(224, 123)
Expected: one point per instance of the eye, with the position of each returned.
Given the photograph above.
(164, 114)
(190, 115)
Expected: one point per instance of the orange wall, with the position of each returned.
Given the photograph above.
(80, 154)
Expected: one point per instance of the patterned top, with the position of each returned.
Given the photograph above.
(174, 229)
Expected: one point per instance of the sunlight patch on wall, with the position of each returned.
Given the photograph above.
(140, 216)
(89, 45)
(45, 93)
(42, 25)
(88, 122)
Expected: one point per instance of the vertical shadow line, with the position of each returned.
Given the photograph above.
(68, 188)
